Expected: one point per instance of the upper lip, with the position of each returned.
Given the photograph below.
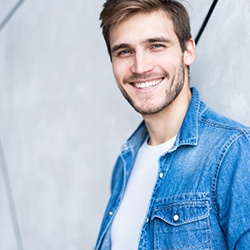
(147, 80)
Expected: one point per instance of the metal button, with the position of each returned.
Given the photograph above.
(147, 220)
(176, 217)
(161, 175)
(110, 213)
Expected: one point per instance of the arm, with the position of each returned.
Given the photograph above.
(233, 191)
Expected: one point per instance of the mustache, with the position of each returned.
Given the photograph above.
(137, 77)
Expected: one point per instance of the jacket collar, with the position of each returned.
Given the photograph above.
(188, 134)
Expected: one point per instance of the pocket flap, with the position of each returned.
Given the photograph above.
(177, 214)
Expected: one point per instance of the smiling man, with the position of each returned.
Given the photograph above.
(182, 179)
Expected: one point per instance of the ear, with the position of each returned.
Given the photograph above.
(190, 52)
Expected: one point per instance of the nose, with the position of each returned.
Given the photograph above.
(141, 63)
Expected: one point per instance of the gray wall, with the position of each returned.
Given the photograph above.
(63, 120)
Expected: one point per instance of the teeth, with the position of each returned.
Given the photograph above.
(144, 85)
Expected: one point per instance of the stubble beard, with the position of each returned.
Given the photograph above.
(174, 90)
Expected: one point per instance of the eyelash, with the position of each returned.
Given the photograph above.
(156, 46)
(123, 53)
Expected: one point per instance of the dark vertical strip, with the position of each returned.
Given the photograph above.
(10, 199)
(11, 13)
(206, 21)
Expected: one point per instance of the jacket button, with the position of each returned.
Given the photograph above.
(176, 217)
(161, 175)
(110, 213)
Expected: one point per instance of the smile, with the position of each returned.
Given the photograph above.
(149, 84)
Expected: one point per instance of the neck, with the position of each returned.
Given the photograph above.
(166, 124)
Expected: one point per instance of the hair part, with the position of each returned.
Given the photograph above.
(115, 11)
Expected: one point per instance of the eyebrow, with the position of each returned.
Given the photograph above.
(120, 46)
(148, 40)
(157, 39)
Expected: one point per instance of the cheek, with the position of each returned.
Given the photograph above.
(115, 71)
(166, 61)
(120, 70)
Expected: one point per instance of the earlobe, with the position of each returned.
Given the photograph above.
(190, 52)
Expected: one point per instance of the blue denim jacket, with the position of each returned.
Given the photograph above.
(201, 199)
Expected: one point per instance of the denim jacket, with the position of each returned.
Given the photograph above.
(201, 198)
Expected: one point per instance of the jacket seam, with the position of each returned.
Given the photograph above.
(245, 130)
(222, 154)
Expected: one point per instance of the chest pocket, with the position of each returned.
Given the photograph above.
(181, 225)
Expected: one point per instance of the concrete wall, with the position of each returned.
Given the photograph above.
(63, 120)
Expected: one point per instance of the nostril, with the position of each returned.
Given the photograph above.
(142, 66)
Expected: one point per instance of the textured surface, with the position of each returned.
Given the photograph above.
(63, 120)
(221, 70)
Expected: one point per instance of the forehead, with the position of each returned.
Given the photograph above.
(142, 26)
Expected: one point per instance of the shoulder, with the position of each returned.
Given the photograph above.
(222, 124)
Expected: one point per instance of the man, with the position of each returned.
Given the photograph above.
(182, 179)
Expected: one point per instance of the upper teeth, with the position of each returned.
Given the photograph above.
(143, 85)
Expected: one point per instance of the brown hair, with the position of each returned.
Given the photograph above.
(115, 11)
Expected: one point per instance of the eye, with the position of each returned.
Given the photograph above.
(124, 53)
(158, 46)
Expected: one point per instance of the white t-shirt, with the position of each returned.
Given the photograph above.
(126, 227)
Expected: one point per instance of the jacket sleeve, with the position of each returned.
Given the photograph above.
(233, 191)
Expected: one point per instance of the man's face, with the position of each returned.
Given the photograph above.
(147, 60)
